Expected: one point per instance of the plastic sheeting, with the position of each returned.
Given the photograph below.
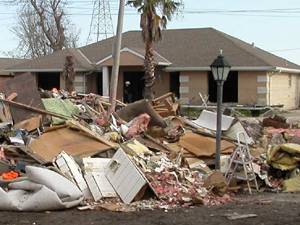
(44, 190)
(62, 106)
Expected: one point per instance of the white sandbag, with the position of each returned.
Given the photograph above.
(44, 190)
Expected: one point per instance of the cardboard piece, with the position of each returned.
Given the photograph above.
(201, 145)
(208, 119)
(74, 143)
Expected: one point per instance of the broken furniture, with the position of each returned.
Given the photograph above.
(241, 158)
(166, 105)
(127, 180)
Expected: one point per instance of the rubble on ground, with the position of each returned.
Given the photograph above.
(70, 151)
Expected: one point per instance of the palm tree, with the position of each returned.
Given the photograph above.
(154, 17)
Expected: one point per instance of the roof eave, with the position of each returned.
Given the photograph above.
(44, 70)
(235, 68)
(286, 70)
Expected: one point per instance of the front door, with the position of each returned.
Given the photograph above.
(133, 86)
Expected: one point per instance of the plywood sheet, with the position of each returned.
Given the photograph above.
(73, 142)
(201, 145)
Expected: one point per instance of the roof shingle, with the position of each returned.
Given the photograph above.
(188, 48)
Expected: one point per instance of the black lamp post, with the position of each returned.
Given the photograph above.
(220, 69)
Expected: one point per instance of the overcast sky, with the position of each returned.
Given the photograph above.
(273, 25)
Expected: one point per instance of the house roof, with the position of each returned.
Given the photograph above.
(55, 62)
(9, 62)
(137, 53)
(179, 49)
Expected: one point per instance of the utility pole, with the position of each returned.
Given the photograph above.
(116, 58)
(101, 26)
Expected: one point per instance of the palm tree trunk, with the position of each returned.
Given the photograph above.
(149, 71)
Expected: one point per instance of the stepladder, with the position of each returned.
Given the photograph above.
(240, 164)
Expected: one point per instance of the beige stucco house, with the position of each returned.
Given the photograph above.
(182, 61)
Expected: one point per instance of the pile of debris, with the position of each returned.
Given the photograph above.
(60, 150)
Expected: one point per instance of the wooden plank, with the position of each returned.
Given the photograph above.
(158, 99)
(34, 110)
(29, 124)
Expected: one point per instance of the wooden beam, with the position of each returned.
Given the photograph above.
(33, 109)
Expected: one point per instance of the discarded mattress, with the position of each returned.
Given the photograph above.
(208, 119)
(44, 190)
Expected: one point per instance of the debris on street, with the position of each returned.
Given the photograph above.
(67, 151)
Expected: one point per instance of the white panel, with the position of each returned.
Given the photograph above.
(184, 90)
(79, 88)
(95, 164)
(105, 81)
(68, 166)
(94, 189)
(262, 90)
(261, 101)
(184, 78)
(262, 79)
(95, 168)
(208, 119)
(125, 177)
(103, 184)
(79, 78)
(184, 100)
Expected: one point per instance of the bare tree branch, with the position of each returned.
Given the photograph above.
(43, 27)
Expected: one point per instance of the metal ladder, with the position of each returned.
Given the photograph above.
(241, 158)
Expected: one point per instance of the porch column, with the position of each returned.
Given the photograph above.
(105, 81)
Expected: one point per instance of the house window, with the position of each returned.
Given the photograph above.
(230, 88)
(290, 80)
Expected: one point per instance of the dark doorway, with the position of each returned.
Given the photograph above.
(175, 83)
(230, 88)
(99, 83)
(48, 81)
(133, 86)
